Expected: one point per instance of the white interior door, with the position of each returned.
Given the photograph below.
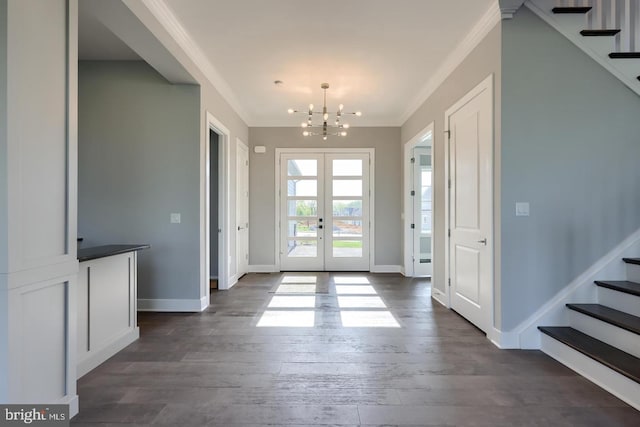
(242, 209)
(470, 124)
(422, 212)
(324, 212)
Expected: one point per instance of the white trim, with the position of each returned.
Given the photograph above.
(439, 296)
(503, 340)
(488, 21)
(372, 157)
(173, 305)
(240, 145)
(212, 123)
(255, 268)
(386, 269)
(613, 382)
(418, 138)
(580, 290)
(585, 44)
(165, 16)
(97, 357)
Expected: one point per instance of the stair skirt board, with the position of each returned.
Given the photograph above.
(610, 380)
(633, 273)
(619, 301)
(605, 332)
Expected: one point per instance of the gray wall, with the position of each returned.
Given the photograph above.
(388, 181)
(482, 61)
(571, 144)
(139, 156)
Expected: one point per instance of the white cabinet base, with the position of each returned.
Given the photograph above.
(91, 361)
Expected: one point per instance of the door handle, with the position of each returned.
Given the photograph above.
(483, 241)
(320, 226)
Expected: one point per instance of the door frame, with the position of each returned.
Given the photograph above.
(224, 137)
(486, 85)
(370, 151)
(414, 142)
(241, 145)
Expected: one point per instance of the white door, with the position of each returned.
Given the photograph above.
(470, 124)
(242, 209)
(422, 211)
(324, 212)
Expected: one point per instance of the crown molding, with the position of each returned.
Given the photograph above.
(479, 31)
(508, 8)
(165, 16)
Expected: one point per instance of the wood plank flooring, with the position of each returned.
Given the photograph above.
(424, 366)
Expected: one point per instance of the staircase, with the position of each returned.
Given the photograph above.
(607, 30)
(602, 341)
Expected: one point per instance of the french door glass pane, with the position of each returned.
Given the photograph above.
(347, 248)
(303, 208)
(302, 167)
(347, 188)
(302, 187)
(347, 208)
(347, 167)
(347, 228)
(303, 228)
(302, 248)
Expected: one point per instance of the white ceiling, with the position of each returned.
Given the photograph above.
(376, 54)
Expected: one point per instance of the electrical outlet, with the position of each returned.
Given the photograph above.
(175, 218)
(522, 208)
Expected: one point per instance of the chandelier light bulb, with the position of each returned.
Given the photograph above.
(340, 107)
(358, 113)
(310, 107)
(304, 125)
(343, 133)
(324, 138)
(346, 125)
(325, 116)
(305, 133)
(291, 111)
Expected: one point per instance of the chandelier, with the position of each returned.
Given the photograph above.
(337, 128)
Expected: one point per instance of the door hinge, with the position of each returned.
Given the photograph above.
(413, 160)
(448, 132)
(449, 281)
(413, 226)
(449, 182)
(413, 193)
(449, 232)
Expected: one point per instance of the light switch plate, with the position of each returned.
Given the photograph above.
(175, 218)
(522, 208)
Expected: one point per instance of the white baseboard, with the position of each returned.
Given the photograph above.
(439, 296)
(386, 269)
(255, 268)
(73, 403)
(99, 356)
(580, 290)
(503, 340)
(173, 305)
(613, 382)
(204, 303)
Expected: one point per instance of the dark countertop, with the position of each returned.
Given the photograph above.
(86, 254)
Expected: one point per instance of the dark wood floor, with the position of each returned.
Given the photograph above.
(223, 367)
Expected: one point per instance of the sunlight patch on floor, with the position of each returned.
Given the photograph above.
(292, 302)
(361, 302)
(368, 319)
(287, 319)
(355, 290)
(350, 280)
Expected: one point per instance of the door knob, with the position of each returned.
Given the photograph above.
(320, 226)
(483, 241)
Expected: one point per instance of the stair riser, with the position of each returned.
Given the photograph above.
(615, 383)
(619, 301)
(633, 273)
(610, 334)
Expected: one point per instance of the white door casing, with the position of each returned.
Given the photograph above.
(324, 210)
(470, 129)
(242, 209)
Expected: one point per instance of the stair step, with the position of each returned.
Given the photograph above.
(621, 362)
(631, 288)
(606, 314)
(599, 33)
(635, 261)
(624, 55)
(571, 9)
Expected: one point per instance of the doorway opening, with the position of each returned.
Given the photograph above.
(215, 254)
(214, 223)
(418, 204)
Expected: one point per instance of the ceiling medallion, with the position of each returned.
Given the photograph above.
(325, 129)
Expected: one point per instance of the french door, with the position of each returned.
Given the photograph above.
(324, 211)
